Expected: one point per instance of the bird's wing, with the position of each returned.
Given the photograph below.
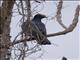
(42, 28)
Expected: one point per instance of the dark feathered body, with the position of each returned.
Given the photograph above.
(42, 28)
(37, 21)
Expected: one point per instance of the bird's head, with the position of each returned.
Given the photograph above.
(40, 16)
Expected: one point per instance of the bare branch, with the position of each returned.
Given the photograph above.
(18, 8)
(22, 9)
(58, 14)
(28, 5)
(71, 27)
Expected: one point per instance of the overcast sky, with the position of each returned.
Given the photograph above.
(64, 45)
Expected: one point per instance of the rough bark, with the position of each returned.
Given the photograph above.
(5, 19)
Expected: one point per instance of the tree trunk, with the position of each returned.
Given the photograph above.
(5, 19)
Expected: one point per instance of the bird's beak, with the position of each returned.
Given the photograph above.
(45, 16)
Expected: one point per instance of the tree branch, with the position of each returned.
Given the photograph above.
(58, 14)
(71, 27)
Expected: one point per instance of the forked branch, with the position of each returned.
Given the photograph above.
(71, 27)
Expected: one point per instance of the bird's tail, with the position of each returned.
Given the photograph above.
(45, 42)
